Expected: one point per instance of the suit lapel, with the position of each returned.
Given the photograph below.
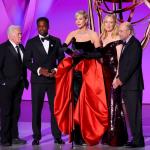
(21, 48)
(40, 46)
(13, 51)
(126, 46)
(52, 45)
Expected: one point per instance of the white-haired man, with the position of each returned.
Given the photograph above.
(13, 79)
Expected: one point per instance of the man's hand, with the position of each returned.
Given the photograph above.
(117, 82)
(44, 72)
(52, 73)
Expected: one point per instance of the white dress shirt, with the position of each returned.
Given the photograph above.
(127, 40)
(46, 47)
(45, 43)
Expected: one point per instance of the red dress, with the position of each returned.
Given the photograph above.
(90, 112)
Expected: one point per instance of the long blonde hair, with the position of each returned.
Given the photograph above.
(115, 29)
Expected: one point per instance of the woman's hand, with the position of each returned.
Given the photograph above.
(76, 53)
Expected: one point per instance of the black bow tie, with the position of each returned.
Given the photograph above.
(45, 38)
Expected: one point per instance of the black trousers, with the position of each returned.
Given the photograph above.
(133, 103)
(10, 110)
(38, 93)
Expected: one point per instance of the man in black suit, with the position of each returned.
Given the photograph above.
(41, 57)
(13, 79)
(130, 79)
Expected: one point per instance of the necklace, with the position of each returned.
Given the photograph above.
(83, 32)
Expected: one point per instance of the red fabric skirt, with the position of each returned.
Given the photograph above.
(90, 112)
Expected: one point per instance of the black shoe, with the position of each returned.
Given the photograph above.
(35, 142)
(128, 144)
(77, 143)
(80, 142)
(18, 141)
(59, 141)
(84, 144)
(6, 144)
(135, 145)
(132, 145)
(104, 143)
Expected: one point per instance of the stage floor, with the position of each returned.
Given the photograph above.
(47, 142)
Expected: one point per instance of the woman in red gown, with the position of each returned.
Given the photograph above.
(80, 103)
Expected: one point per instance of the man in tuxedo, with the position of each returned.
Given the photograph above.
(13, 79)
(130, 79)
(42, 55)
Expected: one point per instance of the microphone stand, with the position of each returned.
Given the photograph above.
(73, 103)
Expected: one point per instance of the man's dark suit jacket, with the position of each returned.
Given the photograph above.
(130, 66)
(11, 70)
(36, 56)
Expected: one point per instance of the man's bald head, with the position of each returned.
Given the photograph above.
(125, 30)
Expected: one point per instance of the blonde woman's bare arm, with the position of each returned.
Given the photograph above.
(69, 37)
(96, 40)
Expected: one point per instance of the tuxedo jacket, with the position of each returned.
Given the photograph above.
(36, 56)
(11, 70)
(130, 66)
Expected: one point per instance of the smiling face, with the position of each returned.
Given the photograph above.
(109, 23)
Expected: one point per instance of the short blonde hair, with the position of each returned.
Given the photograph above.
(115, 29)
(82, 13)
